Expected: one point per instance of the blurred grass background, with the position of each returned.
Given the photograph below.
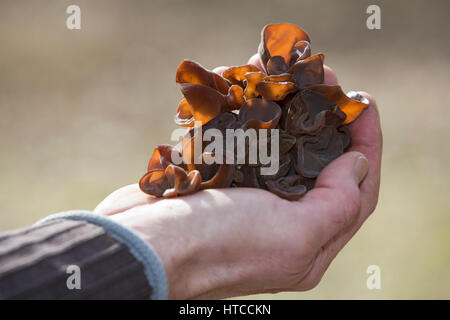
(81, 111)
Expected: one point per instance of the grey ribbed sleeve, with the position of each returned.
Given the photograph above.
(34, 262)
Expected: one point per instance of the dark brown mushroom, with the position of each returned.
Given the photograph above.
(313, 153)
(290, 187)
(309, 71)
(309, 111)
(259, 114)
(280, 40)
(287, 95)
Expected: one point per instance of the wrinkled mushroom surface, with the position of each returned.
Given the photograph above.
(288, 95)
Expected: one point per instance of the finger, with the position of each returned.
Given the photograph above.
(367, 138)
(255, 60)
(123, 199)
(334, 202)
(329, 76)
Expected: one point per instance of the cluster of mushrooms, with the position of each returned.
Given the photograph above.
(289, 94)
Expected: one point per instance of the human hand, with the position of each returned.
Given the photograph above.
(220, 243)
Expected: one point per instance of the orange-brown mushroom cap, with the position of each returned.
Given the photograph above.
(352, 108)
(205, 103)
(192, 72)
(235, 97)
(251, 81)
(287, 94)
(279, 40)
(154, 183)
(275, 91)
(181, 182)
(162, 156)
(184, 116)
(236, 75)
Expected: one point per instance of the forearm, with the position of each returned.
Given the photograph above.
(34, 263)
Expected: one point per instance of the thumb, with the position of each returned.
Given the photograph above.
(347, 170)
(336, 198)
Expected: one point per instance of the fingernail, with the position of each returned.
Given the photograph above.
(358, 97)
(361, 168)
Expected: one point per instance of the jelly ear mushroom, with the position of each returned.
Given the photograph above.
(290, 187)
(301, 51)
(204, 94)
(352, 108)
(251, 81)
(259, 113)
(284, 77)
(275, 91)
(309, 71)
(279, 40)
(313, 153)
(235, 97)
(204, 102)
(309, 112)
(236, 75)
(154, 183)
(246, 177)
(162, 156)
(222, 178)
(181, 182)
(192, 72)
(276, 65)
(184, 116)
(286, 142)
(289, 88)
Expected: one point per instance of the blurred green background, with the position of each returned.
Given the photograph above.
(81, 111)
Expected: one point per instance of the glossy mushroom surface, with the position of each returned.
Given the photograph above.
(288, 95)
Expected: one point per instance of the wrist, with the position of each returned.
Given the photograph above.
(171, 230)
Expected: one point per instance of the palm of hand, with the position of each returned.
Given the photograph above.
(269, 243)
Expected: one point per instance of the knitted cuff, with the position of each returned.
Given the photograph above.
(153, 267)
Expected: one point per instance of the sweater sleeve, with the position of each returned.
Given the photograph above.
(78, 255)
